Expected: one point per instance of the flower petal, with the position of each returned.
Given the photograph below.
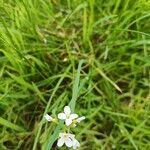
(62, 116)
(74, 125)
(76, 144)
(67, 110)
(71, 135)
(68, 122)
(68, 142)
(60, 142)
(73, 116)
(48, 117)
(80, 119)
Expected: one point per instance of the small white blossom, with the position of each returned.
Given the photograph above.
(80, 119)
(48, 117)
(67, 116)
(68, 139)
(65, 138)
(65, 59)
(76, 144)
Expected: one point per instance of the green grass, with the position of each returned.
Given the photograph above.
(92, 54)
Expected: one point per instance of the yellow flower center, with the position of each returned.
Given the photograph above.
(68, 116)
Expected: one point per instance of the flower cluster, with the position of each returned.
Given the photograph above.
(71, 120)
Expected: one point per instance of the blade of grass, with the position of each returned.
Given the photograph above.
(75, 89)
(8, 124)
(106, 78)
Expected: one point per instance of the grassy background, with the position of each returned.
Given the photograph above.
(41, 45)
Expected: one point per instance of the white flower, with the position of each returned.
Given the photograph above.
(76, 144)
(80, 119)
(65, 59)
(48, 117)
(65, 138)
(67, 116)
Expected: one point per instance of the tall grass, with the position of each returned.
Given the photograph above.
(42, 46)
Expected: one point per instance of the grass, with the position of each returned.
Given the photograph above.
(92, 54)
